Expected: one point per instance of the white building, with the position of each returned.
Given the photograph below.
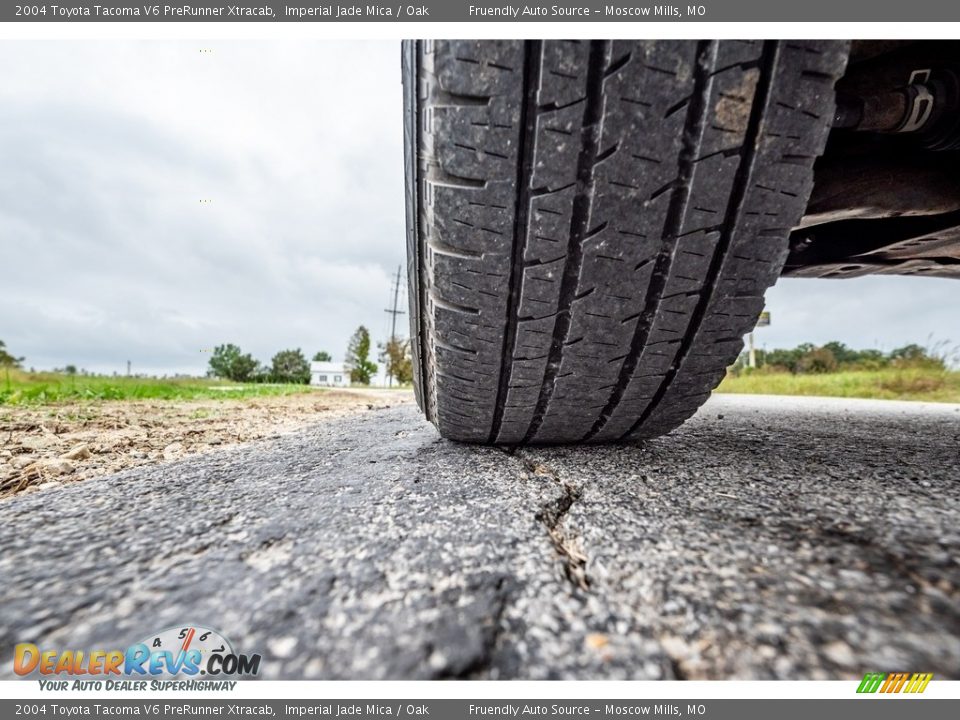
(329, 374)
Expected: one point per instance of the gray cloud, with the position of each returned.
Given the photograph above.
(109, 255)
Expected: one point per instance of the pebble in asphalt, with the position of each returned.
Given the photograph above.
(790, 538)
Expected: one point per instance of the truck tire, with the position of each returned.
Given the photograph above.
(592, 225)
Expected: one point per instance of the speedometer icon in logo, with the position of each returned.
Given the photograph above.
(190, 649)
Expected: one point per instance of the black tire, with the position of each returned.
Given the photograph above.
(592, 225)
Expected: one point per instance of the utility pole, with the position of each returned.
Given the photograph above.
(128, 368)
(762, 321)
(393, 323)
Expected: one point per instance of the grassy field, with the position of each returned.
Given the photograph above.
(22, 388)
(886, 384)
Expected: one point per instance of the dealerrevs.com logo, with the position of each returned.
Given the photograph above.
(186, 652)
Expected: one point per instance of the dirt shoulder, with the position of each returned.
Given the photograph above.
(48, 446)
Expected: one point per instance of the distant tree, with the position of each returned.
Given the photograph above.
(362, 369)
(870, 360)
(817, 360)
(6, 359)
(909, 352)
(783, 358)
(230, 363)
(914, 355)
(396, 354)
(843, 354)
(322, 356)
(222, 360)
(875, 355)
(290, 366)
(262, 373)
(70, 370)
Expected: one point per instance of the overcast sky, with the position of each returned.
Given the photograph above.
(108, 254)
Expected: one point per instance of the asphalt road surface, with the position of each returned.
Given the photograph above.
(768, 538)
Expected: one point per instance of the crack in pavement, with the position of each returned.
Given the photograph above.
(552, 516)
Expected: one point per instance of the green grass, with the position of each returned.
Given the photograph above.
(22, 388)
(886, 384)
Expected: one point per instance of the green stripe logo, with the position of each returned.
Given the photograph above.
(871, 682)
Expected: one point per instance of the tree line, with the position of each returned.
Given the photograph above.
(229, 362)
(834, 356)
(291, 366)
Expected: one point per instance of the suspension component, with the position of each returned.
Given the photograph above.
(927, 107)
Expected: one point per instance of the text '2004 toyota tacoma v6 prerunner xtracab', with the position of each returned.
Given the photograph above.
(592, 225)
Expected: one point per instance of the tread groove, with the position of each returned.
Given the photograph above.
(697, 116)
(532, 58)
(741, 182)
(579, 226)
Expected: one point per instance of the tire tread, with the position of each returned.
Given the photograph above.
(593, 224)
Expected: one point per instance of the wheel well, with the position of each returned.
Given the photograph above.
(886, 195)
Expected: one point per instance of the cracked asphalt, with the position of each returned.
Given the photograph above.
(767, 538)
